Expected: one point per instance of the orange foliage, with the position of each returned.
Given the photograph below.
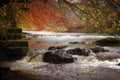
(39, 15)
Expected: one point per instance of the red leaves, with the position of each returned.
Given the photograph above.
(40, 14)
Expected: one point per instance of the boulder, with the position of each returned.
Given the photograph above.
(108, 41)
(118, 64)
(78, 51)
(56, 47)
(15, 51)
(14, 30)
(98, 49)
(14, 43)
(57, 57)
(14, 36)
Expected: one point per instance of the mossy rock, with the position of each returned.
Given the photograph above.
(15, 51)
(14, 36)
(109, 41)
(14, 43)
(14, 30)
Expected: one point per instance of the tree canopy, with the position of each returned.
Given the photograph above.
(66, 15)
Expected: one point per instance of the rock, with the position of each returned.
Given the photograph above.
(78, 51)
(14, 36)
(14, 43)
(118, 64)
(35, 58)
(56, 47)
(57, 57)
(76, 42)
(14, 33)
(15, 51)
(14, 30)
(98, 49)
(73, 42)
(108, 41)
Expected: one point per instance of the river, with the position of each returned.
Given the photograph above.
(84, 68)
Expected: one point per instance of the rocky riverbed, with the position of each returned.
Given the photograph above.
(91, 62)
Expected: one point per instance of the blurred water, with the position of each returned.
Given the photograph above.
(72, 71)
(54, 38)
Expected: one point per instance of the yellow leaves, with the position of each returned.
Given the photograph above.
(4, 13)
(114, 23)
(118, 10)
(118, 29)
(96, 25)
(82, 7)
(119, 24)
(119, 21)
(107, 30)
(113, 26)
(114, 14)
(93, 16)
(99, 12)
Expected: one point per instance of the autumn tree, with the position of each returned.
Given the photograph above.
(42, 15)
(96, 15)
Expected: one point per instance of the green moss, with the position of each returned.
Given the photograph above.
(109, 41)
(14, 36)
(16, 51)
(14, 30)
(14, 43)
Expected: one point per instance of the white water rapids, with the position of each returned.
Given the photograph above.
(54, 38)
(83, 65)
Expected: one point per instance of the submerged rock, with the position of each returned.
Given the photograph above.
(78, 51)
(98, 49)
(76, 42)
(57, 57)
(56, 47)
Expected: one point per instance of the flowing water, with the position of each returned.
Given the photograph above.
(82, 69)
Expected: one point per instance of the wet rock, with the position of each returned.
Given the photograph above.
(76, 42)
(15, 51)
(56, 47)
(119, 64)
(108, 41)
(73, 42)
(98, 49)
(78, 51)
(57, 57)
